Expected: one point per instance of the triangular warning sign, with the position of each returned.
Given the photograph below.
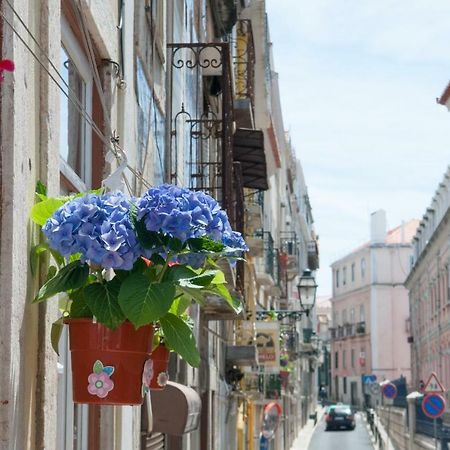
(433, 384)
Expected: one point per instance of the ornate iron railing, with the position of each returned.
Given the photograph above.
(244, 62)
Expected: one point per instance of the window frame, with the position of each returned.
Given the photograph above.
(73, 49)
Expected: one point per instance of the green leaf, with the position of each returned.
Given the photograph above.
(197, 282)
(51, 272)
(102, 300)
(180, 338)
(205, 244)
(42, 211)
(194, 294)
(175, 245)
(148, 239)
(223, 292)
(79, 307)
(55, 333)
(98, 367)
(41, 188)
(143, 301)
(72, 276)
(178, 272)
(180, 304)
(35, 253)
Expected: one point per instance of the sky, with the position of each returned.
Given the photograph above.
(359, 81)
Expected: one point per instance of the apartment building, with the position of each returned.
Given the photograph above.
(370, 311)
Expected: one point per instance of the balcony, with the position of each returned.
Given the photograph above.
(244, 74)
(361, 328)
(313, 255)
(201, 120)
(290, 254)
(266, 265)
(333, 333)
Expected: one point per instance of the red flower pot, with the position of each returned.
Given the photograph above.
(160, 358)
(107, 365)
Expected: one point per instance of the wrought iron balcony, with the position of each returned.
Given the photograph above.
(201, 119)
(361, 328)
(333, 333)
(244, 75)
(289, 253)
(349, 329)
(313, 255)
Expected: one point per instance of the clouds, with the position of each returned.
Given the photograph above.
(416, 30)
(358, 94)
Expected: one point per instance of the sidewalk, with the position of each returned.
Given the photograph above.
(305, 435)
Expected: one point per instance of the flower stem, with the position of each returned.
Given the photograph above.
(163, 270)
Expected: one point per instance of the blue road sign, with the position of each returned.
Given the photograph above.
(390, 390)
(367, 379)
(433, 405)
(263, 443)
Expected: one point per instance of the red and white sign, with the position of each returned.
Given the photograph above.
(433, 385)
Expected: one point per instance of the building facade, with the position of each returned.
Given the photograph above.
(370, 311)
(127, 95)
(429, 295)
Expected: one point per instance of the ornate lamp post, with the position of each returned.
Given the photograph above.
(307, 288)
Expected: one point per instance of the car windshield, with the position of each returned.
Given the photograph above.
(342, 410)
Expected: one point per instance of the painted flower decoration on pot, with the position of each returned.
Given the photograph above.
(162, 379)
(100, 383)
(147, 376)
(143, 259)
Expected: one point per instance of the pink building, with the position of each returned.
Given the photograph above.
(429, 291)
(370, 311)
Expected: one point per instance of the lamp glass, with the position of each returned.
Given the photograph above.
(307, 289)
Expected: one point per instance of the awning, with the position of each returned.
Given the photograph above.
(176, 409)
(248, 149)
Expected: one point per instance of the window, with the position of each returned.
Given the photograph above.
(344, 317)
(363, 268)
(352, 358)
(75, 156)
(362, 315)
(336, 360)
(352, 315)
(344, 359)
(345, 385)
(353, 272)
(75, 142)
(344, 276)
(337, 278)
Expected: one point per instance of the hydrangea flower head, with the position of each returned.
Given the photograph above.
(98, 227)
(182, 213)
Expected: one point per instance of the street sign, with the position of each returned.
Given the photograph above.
(433, 385)
(375, 389)
(389, 390)
(433, 405)
(367, 379)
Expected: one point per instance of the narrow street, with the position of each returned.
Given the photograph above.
(358, 439)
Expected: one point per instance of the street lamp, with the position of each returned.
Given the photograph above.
(307, 291)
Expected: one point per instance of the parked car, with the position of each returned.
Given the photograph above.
(339, 416)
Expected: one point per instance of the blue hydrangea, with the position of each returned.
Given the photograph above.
(183, 214)
(98, 227)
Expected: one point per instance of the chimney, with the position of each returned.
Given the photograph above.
(378, 227)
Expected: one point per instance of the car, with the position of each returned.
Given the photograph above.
(339, 416)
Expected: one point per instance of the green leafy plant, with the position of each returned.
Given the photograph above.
(143, 259)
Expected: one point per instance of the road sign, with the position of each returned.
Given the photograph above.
(389, 390)
(433, 385)
(367, 379)
(433, 405)
(375, 389)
